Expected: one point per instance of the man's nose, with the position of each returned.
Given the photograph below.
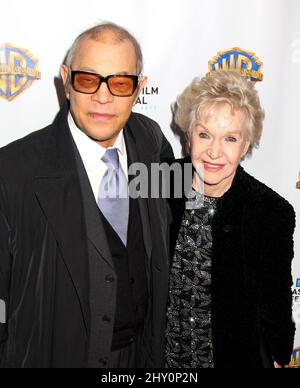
(103, 95)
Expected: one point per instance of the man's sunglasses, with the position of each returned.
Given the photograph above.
(118, 85)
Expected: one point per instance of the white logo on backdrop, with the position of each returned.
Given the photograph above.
(296, 51)
(296, 313)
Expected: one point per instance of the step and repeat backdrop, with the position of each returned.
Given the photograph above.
(179, 38)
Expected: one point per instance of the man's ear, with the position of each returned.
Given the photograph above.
(64, 73)
(142, 84)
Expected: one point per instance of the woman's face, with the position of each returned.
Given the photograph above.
(217, 146)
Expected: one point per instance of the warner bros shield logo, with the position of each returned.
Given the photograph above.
(239, 60)
(18, 70)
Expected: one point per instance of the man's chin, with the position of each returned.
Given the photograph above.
(104, 141)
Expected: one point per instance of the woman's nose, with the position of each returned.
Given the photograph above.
(215, 150)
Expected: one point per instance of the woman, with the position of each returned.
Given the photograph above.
(230, 301)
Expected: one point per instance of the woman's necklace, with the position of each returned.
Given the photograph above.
(197, 201)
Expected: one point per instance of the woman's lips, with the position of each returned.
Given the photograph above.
(101, 116)
(211, 167)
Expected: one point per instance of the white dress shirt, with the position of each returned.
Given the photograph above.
(91, 154)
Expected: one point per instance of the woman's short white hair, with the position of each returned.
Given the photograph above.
(221, 87)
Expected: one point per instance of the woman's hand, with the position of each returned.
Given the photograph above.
(277, 366)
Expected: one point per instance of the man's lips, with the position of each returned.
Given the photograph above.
(101, 116)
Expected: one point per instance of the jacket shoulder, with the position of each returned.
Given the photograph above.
(22, 154)
(271, 202)
(147, 128)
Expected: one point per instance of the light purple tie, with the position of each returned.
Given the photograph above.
(113, 200)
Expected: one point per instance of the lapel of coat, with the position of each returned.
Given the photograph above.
(234, 197)
(140, 152)
(57, 189)
(94, 225)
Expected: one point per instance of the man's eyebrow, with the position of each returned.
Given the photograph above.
(91, 70)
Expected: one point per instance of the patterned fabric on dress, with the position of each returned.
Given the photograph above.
(189, 332)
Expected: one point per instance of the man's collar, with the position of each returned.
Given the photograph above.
(88, 148)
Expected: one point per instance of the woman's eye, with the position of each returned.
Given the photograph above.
(203, 135)
(231, 139)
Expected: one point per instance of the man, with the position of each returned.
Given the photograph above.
(84, 275)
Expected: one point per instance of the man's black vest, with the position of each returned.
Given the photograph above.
(130, 265)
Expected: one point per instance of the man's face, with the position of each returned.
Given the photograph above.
(101, 115)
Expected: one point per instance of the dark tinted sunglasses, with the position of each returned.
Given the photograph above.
(118, 85)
